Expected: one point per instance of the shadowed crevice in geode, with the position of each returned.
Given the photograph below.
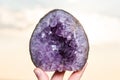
(59, 43)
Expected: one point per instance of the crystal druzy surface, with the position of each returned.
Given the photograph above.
(59, 43)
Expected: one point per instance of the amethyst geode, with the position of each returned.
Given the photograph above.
(59, 43)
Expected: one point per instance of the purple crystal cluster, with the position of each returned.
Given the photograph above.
(59, 43)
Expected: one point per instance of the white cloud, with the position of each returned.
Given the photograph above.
(20, 19)
(100, 28)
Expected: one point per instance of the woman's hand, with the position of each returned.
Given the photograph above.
(41, 75)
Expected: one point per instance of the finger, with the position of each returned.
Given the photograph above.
(58, 75)
(40, 74)
(78, 74)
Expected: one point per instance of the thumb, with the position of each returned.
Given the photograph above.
(40, 74)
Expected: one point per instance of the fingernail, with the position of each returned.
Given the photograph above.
(37, 73)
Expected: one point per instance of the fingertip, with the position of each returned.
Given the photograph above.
(40, 74)
(58, 75)
(37, 72)
(78, 74)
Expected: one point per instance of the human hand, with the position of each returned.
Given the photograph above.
(41, 75)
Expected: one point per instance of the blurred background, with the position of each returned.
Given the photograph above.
(100, 19)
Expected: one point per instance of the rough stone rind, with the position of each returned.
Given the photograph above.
(59, 43)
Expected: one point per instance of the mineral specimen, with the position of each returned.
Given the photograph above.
(59, 43)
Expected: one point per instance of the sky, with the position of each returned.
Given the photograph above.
(109, 7)
(93, 14)
(101, 22)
